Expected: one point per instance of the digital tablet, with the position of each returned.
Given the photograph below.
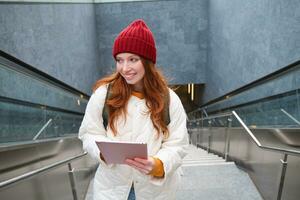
(118, 152)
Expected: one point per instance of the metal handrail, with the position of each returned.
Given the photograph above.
(42, 129)
(281, 150)
(290, 116)
(37, 105)
(247, 129)
(257, 142)
(212, 117)
(17, 145)
(204, 111)
(38, 171)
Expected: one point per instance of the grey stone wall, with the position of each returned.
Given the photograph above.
(180, 28)
(248, 40)
(224, 44)
(59, 39)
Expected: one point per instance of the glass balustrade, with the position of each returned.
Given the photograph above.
(273, 103)
(33, 107)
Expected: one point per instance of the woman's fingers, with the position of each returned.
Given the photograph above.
(144, 161)
(137, 166)
(143, 166)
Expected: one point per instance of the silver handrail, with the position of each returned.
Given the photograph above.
(204, 111)
(247, 129)
(38, 171)
(197, 110)
(18, 145)
(257, 142)
(281, 150)
(212, 117)
(290, 116)
(42, 129)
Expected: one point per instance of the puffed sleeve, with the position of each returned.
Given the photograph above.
(92, 128)
(173, 148)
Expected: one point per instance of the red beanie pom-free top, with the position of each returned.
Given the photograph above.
(136, 38)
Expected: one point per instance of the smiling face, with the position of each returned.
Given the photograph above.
(131, 68)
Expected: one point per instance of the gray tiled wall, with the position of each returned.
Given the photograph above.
(248, 40)
(72, 42)
(59, 39)
(180, 28)
(224, 44)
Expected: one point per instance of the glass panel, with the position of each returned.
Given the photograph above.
(20, 85)
(33, 106)
(281, 112)
(206, 123)
(273, 110)
(235, 123)
(19, 123)
(289, 81)
(23, 123)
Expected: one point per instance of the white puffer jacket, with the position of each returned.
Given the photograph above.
(113, 182)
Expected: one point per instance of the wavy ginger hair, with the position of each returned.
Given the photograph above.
(155, 89)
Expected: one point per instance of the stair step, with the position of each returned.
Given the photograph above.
(202, 160)
(201, 157)
(205, 164)
(209, 176)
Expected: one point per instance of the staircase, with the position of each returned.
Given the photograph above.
(197, 157)
(208, 176)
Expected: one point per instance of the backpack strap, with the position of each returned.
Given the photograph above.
(166, 111)
(105, 111)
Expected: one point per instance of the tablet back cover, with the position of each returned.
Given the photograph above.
(118, 152)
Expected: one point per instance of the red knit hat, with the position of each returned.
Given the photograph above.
(136, 38)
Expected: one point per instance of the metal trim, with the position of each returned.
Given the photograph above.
(17, 145)
(281, 150)
(38, 171)
(212, 117)
(252, 136)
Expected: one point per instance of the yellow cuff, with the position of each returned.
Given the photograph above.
(158, 169)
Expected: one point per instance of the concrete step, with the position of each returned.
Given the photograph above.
(196, 153)
(187, 165)
(216, 181)
(200, 157)
(203, 160)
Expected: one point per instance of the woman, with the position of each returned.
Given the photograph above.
(136, 109)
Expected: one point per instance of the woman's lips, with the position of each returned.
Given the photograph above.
(129, 76)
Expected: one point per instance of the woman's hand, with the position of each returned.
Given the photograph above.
(145, 166)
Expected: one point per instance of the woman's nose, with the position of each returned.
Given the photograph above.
(126, 66)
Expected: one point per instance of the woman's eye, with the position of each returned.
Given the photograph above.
(134, 59)
(119, 60)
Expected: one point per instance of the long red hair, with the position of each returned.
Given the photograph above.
(155, 90)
